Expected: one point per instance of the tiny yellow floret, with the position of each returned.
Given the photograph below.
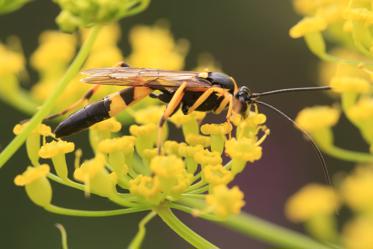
(357, 189)
(244, 149)
(149, 115)
(42, 129)
(216, 175)
(312, 201)
(308, 25)
(32, 174)
(358, 234)
(216, 129)
(362, 110)
(55, 148)
(111, 125)
(350, 85)
(123, 144)
(179, 118)
(317, 117)
(147, 187)
(11, 62)
(224, 201)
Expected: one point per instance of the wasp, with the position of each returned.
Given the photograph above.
(188, 90)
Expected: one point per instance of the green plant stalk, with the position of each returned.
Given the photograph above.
(182, 230)
(90, 213)
(139, 237)
(63, 236)
(347, 155)
(254, 227)
(45, 109)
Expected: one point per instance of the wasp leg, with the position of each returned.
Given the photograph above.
(205, 96)
(86, 97)
(170, 109)
(108, 107)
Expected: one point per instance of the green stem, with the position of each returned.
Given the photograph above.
(63, 236)
(89, 213)
(182, 230)
(139, 237)
(257, 228)
(45, 109)
(347, 155)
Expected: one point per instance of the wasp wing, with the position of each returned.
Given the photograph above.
(154, 78)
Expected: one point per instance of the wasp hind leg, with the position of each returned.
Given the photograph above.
(172, 106)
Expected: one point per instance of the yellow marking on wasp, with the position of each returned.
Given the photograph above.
(223, 104)
(141, 92)
(203, 75)
(117, 104)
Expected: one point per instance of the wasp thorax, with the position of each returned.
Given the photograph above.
(223, 80)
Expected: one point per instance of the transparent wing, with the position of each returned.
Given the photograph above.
(127, 76)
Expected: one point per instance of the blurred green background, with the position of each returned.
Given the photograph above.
(250, 39)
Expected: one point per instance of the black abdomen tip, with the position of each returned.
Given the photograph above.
(83, 118)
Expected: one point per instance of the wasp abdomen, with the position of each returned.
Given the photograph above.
(84, 118)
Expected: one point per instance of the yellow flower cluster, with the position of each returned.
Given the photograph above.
(132, 164)
(316, 205)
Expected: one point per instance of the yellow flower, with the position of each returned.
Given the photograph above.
(143, 130)
(193, 139)
(180, 119)
(312, 201)
(216, 175)
(358, 234)
(55, 148)
(166, 167)
(308, 25)
(216, 129)
(36, 184)
(149, 115)
(206, 157)
(154, 47)
(111, 125)
(11, 62)
(244, 149)
(55, 51)
(42, 129)
(123, 144)
(147, 187)
(318, 117)
(95, 177)
(350, 85)
(224, 201)
(357, 189)
(359, 14)
(362, 110)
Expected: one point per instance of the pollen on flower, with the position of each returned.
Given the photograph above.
(42, 129)
(216, 175)
(312, 201)
(167, 166)
(317, 117)
(147, 187)
(32, 174)
(224, 201)
(308, 25)
(11, 62)
(357, 189)
(206, 157)
(143, 130)
(123, 144)
(55, 148)
(111, 125)
(350, 85)
(244, 149)
(216, 129)
(194, 139)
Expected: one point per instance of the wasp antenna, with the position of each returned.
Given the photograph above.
(305, 133)
(289, 90)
